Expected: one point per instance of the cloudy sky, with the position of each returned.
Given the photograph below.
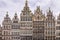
(13, 6)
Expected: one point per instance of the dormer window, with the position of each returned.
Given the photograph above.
(16, 17)
(24, 13)
(15, 21)
(38, 17)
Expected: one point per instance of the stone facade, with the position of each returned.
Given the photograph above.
(58, 28)
(0, 32)
(38, 25)
(50, 26)
(6, 27)
(15, 29)
(26, 23)
(31, 26)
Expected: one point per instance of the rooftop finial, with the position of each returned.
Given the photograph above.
(38, 9)
(49, 9)
(7, 14)
(15, 15)
(26, 3)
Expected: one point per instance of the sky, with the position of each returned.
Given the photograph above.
(13, 6)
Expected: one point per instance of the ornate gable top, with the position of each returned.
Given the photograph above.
(7, 16)
(38, 11)
(15, 16)
(7, 19)
(38, 14)
(26, 9)
(15, 19)
(49, 12)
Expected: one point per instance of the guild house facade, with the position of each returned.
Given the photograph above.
(30, 26)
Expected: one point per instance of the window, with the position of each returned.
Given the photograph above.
(6, 33)
(38, 22)
(24, 13)
(15, 21)
(22, 24)
(26, 18)
(7, 26)
(57, 27)
(53, 24)
(0, 33)
(6, 38)
(58, 38)
(7, 20)
(29, 19)
(58, 22)
(49, 25)
(27, 24)
(15, 27)
(26, 38)
(23, 19)
(26, 32)
(50, 32)
(15, 33)
(16, 37)
(59, 34)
